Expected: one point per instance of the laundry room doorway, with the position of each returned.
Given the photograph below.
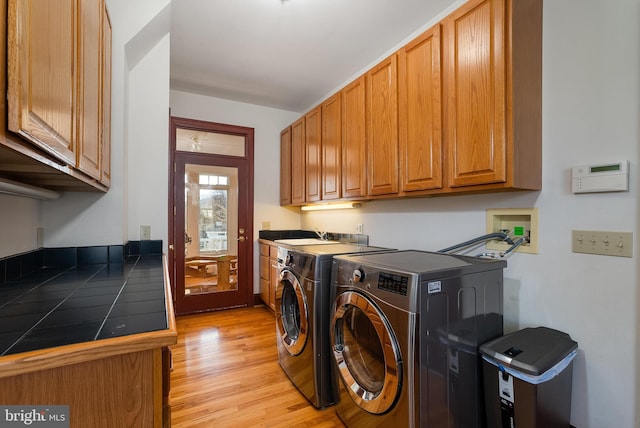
(211, 215)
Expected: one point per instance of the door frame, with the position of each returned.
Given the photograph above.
(245, 207)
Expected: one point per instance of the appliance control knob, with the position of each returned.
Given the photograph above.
(358, 275)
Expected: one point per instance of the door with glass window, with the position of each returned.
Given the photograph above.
(212, 215)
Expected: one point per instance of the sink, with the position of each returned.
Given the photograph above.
(304, 241)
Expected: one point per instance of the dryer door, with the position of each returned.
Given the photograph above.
(367, 353)
(291, 313)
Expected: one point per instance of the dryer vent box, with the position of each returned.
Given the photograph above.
(517, 223)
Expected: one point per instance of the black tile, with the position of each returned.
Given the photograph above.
(20, 323)
(133, 248)
(150, 247)
(86, 301)
(116, 254)
(138, 307)
(139, 296)
(31, 262)
(13, 269)
(93, 255)
(15, 309)
(61, 257)
(122, 326)
(75, 316)
(8, 339)
(43, 293)
(96, 291)
(48, 337)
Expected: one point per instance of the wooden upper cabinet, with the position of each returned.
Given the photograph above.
(285, 166)
(59, 89)
(420, 113)
(313, 150)
(90, 88)
(382, 127)
(105, 124)
(492, 68)
(298, 155)
(42, 74)
(354, 150)
(331, 148)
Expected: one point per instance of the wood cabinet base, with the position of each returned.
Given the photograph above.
(119, 391)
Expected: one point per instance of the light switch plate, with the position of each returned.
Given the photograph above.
(602, 242)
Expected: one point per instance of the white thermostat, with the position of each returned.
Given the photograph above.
(611, 177)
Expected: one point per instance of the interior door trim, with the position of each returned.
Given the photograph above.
(245, 215)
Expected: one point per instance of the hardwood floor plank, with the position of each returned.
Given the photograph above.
(226, 374)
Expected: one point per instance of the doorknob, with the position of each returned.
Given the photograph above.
(242, 239)
(241, 231)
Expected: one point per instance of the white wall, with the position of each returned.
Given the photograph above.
(267, 124)
(19, 221)
(148, 136)
(591, 111)
(139, 113)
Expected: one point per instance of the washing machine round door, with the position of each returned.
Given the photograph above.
(291, 313)
(366, 352)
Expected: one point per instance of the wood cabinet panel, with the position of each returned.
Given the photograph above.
(331, 148)
(285, 166)
(42, 74)
(354, 151)
(298, 170)
(420, 117)
(268, 274)
(105, 123)
(382, 127)
(90, 88)
(475, 70)
(313, 150)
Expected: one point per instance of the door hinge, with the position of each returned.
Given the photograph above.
(175, 168)
(174, 210)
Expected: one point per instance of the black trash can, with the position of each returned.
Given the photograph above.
(527, 379)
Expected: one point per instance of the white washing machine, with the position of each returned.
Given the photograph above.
(303, 309)
(405, 329)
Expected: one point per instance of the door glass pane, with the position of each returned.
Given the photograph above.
(211, 229)
(188, 140)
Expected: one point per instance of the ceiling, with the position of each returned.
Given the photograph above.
(286, 54)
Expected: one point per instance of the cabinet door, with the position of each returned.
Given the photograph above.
(475, 93)
(273, 284)
(331, 146)
(42, 76)
(298, 162)
(313, 150)
(382, 127)
(354, 154)
(265, 279)
(285, 166)
(90, 88)
(420, 116)
(106, 99)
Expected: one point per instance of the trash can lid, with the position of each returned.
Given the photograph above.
(530, 350)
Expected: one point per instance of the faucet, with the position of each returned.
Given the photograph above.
(321, 234)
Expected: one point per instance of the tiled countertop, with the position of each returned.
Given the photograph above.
(62, 306)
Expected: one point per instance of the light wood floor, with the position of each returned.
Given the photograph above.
(226, 374)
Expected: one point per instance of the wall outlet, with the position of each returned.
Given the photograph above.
(517, 223)
(39, 237)
(145, 233)
(603, 243)
(360, 229)
(266, 225)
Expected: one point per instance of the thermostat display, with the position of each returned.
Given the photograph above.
(612, 177)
